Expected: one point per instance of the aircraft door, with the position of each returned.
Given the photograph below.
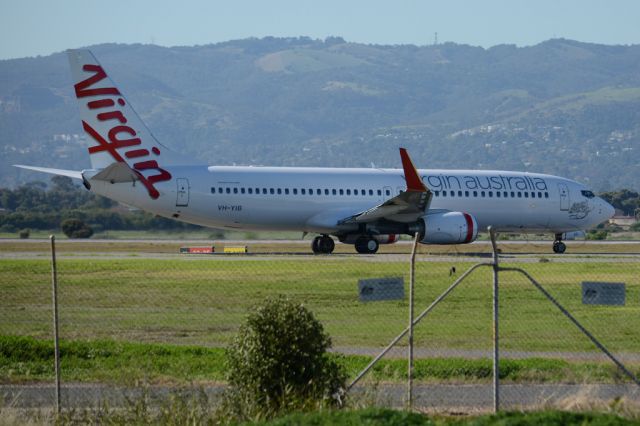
(182, 199)
(564, 196)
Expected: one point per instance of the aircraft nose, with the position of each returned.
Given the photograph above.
(608, 210)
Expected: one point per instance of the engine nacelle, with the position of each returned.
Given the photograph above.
(449, 228)
(386, 239)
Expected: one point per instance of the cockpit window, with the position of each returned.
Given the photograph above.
(587, 193)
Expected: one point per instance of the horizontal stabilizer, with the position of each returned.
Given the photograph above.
(69, 173)
(116, 173)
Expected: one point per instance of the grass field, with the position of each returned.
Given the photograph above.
(202, 301)
(27, 360)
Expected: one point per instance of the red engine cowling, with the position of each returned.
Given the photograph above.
(449, 228)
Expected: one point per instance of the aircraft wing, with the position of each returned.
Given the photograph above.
(407, 206)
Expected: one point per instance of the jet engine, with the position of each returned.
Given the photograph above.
(448, 228)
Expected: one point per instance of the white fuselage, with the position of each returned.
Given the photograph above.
(315, 199)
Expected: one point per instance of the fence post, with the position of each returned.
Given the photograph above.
(54, 283)
(496, 339)
(412, 279)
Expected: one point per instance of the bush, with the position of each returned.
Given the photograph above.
(24, 233)
(278, 363)
(596, 235)
(75, 228)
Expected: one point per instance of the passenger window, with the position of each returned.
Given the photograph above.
(505, 194)
(213, 190)
(334, 192)
(482, 193)
(498, 194)
(519, 194)
(295, 191)
(475, 193)
(310, 191)
(342, 192)
(228, 190)
(272, 191)
(250, 190)
(371, 192)
(379, 192)
(242, 190)
(348, 192)
(388, 192)
(286, 191)
(363, 192)
(436, 193)
(319, 191)
(235, 190)
(279, 191)
(355, 192)
(466, 193)
(539, 194)
(546, 195)
(264, 190)
(326, 192)
(491, 194)
(459, 193)
(444, 193)
(526, 194)
(302, 191)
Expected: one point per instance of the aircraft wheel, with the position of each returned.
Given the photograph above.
(366, 245)
(315, 245)
(326, 244)
(559, 247)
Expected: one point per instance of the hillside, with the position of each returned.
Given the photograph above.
(560, 107)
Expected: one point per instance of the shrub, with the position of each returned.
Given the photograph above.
(24, 233)
(75, 228)
(278, 363)
(596, 235)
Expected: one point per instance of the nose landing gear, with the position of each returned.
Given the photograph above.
(558, 246)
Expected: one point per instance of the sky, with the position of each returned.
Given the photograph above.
(42, 27)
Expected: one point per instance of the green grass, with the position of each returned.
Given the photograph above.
(202, 301)
(387, 417)
(25, 359)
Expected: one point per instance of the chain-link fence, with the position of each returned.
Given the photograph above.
(163, 320)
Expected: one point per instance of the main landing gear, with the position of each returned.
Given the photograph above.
(558, 246)
(366, 245)
(323, 245)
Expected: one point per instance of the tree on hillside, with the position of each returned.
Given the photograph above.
(625, 200)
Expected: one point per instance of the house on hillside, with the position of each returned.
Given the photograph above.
(623, 221)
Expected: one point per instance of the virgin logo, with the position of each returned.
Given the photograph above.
(120, 138)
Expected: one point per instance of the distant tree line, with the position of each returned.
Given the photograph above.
(624, 200)
(37, 205)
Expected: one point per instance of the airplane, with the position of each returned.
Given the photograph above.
(362, 207)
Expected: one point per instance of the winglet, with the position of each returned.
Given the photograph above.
(414, 183)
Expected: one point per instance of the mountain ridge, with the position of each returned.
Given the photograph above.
(560, 107)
